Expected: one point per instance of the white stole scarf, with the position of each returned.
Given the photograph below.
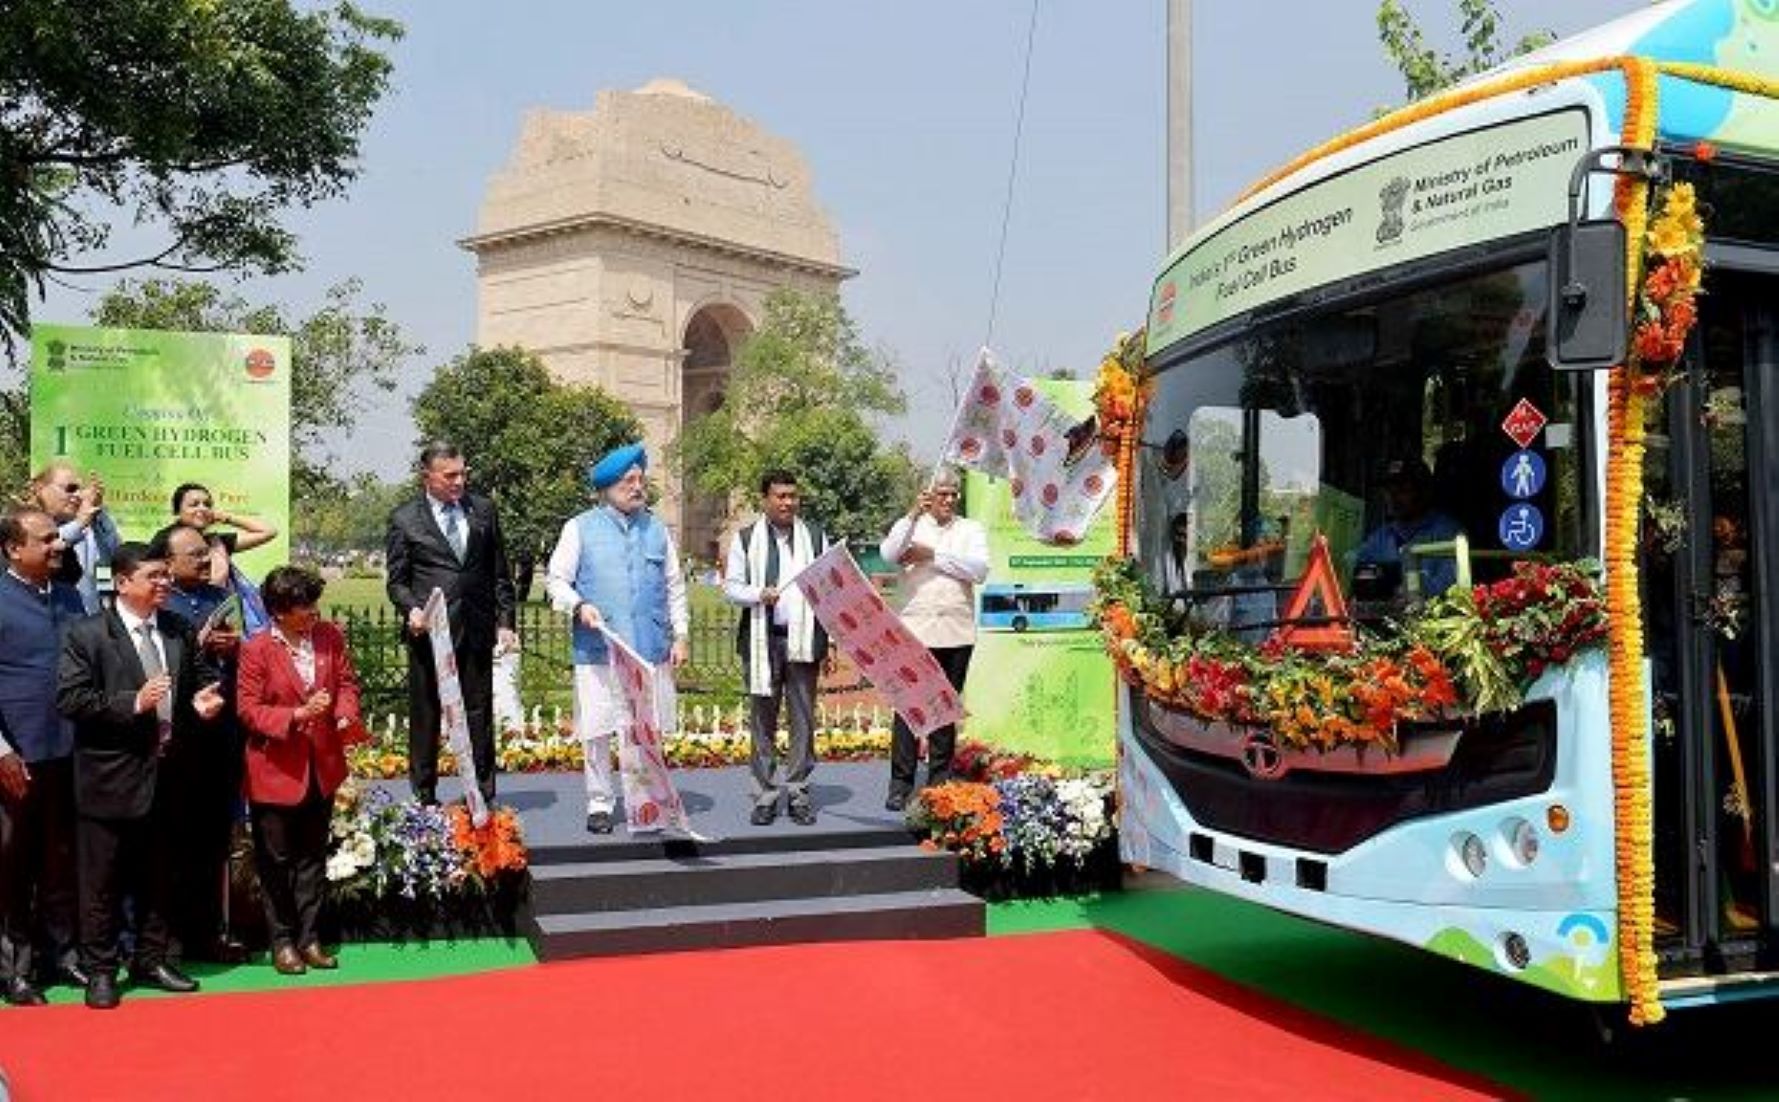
(800, 645)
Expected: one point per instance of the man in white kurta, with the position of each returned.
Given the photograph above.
(616, 566)
(943, 558)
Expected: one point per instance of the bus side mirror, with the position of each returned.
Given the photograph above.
(1586, 314)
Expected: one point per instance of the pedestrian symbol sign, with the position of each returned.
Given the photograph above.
(1524, 422)
(1522, 475)
(1521, 527)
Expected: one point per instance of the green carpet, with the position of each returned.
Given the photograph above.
(1536, 1043)
(360, 962)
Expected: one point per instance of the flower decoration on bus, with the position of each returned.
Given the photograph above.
(1463, 653)
(1665, 311)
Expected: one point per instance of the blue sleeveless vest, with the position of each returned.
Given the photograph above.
(31, 630)
(623, 573)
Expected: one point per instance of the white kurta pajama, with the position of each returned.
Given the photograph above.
(600, 709)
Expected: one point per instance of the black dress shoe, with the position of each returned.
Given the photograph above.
(763, 814)
(599, 822)
(802, 813)
(225, 950)
(20, 991)
(101, 991)
(164, 976)
(898, 801)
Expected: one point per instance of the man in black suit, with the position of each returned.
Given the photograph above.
(446, 538)
(130, 680)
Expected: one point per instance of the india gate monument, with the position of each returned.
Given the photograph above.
(632, 247)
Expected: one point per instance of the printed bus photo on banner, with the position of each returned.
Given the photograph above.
(1057, 474)
(651, 801)
(870, 633)
(453, 720)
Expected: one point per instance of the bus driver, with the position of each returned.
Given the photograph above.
(1408, 493)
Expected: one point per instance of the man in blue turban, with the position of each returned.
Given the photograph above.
(615, 565)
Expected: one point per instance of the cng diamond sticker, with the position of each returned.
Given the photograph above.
(1524, 422)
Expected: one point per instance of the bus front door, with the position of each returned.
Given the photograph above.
(1711, 552)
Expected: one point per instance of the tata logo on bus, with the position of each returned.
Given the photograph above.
(260, 364)
(1392, 196)
(1164, 303)
(1262, 758)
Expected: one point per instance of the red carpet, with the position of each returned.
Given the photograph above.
(1071, 1015)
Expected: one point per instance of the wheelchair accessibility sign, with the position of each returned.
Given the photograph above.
(1522, 475)
(1521, 527)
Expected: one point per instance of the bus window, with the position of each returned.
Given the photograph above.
(1296, 428)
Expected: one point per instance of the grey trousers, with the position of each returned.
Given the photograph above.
(792, 682)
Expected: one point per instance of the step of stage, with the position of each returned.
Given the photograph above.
(608, 885)
(933, 913)
(622, 848)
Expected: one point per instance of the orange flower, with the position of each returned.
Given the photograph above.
(1704, 152)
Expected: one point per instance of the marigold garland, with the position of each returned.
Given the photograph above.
(1120, 394)
(1633, 825)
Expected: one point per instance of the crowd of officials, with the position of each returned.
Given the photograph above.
(134, 730)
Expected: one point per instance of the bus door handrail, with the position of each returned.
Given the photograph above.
(1458, 547)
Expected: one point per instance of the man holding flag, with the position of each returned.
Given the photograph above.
(943, 558)
(615, 569)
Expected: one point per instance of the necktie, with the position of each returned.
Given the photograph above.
(153, 667)
(454, 530)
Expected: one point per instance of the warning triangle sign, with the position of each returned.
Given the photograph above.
(1316, 616)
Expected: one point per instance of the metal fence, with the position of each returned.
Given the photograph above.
(712, 676)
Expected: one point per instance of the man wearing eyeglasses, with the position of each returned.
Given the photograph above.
(78, 507)
(132, 682)
(943, 558)
(204, 778)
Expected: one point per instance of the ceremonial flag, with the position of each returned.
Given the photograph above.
(254, 617)
(453, 720)
(650, 799)
(870, 633)
(1056, 471)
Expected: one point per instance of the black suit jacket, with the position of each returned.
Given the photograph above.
(478, 591)
(117, 755)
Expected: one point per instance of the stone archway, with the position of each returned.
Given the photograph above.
(713, 334)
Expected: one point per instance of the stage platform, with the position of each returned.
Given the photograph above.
(856, 873)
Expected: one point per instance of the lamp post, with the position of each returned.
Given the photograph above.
(1179, 122)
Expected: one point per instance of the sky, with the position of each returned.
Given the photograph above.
(905, 111)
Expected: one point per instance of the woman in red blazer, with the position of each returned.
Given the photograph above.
(297, 699)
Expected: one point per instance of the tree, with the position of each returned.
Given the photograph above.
(354, 517)
(800, 396)
(15, 439)
(1426, 70)
(338, 354)
(528, 440)
(197, 122)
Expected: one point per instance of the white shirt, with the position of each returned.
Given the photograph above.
(302, 655)
(938, 598)
(133, 624)
(790, 598)
(441, 513)
(565, 561)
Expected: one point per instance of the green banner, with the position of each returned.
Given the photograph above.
(1040, 683)
(149, 410)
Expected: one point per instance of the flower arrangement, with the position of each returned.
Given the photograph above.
(1119, 395)
(961, 816)
(980, 762)
(1665, 308)
(1465, 652)
(1022, 834)
(383, 850)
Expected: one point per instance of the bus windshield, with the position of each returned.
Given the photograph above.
(1377, 425)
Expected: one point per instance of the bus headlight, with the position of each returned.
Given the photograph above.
(1522, 840)
(1472, 854)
